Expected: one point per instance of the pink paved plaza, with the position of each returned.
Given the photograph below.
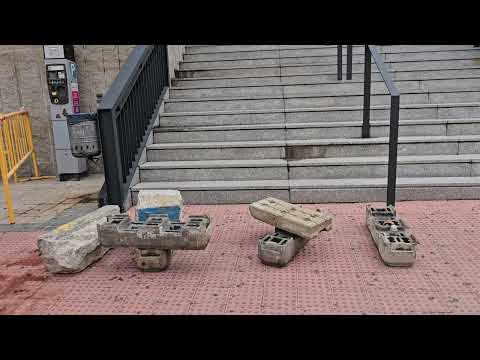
(338, 272)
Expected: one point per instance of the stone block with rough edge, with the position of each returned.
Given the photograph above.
(75, 245)
(395, 244)
(279, 248)
(291, 218)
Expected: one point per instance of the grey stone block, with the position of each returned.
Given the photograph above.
(227, 82)
(274, 152)
(228, 64)
(227, 92)
(469, 147)
(220, 135)
(204, 49)
(233, 55)
(74, 246)
(299, 221)
(219, 105)
(247, 72)
(472, 128)
(454, 97)
(223, 119)
(206, 174)
(368, 170)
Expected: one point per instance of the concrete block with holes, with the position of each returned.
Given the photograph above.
(294, 227)
(152, 260)
(395, 244)
(155, 239)
(279, 248)
(293, 219)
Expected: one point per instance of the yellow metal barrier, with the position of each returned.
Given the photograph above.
(16, 147)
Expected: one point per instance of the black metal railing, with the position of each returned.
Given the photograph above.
(340, 62)
(126, 116)
(371, 52)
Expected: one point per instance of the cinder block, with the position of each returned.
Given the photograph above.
(279, 248)
(395, 244)
(151, 202)
(152, 260)
(291, 218)
(158, 232)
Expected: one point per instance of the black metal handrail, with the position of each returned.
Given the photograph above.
(371, 51)
(126, 116)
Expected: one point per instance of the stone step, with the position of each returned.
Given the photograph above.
(377, 166)
(241, 150)
(330, 59)
(325, 130)
(407, 145)
(318, 115)
(375, 189)
(318, 69)
(317, 148)
(329, 89)
(307, 101)
(208, 49)
(319, 190)
(317, 168)
(314, 51)
(266, 169)
(205, 83)
(221, 192)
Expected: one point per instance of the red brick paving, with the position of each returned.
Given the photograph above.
(339, 272)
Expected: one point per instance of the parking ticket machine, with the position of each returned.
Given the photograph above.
(62, 84)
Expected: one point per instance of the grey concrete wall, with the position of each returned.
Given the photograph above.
(23, 83)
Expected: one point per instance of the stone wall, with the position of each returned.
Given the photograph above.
(23, 83)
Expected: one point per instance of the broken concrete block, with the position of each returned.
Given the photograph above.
(158, 232)
(395, 244)
(279, 248)
(153, 260)
(154, 202)
(73, 246)
(291, 218)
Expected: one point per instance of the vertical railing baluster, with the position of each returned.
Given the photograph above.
(367, 82)
(339, 62)
(349, 61)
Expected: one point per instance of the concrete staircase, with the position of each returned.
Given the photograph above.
(245, 122)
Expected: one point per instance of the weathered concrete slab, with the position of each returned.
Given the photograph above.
(158, 232)
(291, 218)
(73, 246)
(279, 248)
(152, 260)
(159, 202)
(396, 245)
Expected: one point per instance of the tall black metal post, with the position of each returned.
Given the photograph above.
(349, 61)
(339, 62)
(392, 150)
(367, 82)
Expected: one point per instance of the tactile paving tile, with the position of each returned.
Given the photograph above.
(402, 302)
(338, 272)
